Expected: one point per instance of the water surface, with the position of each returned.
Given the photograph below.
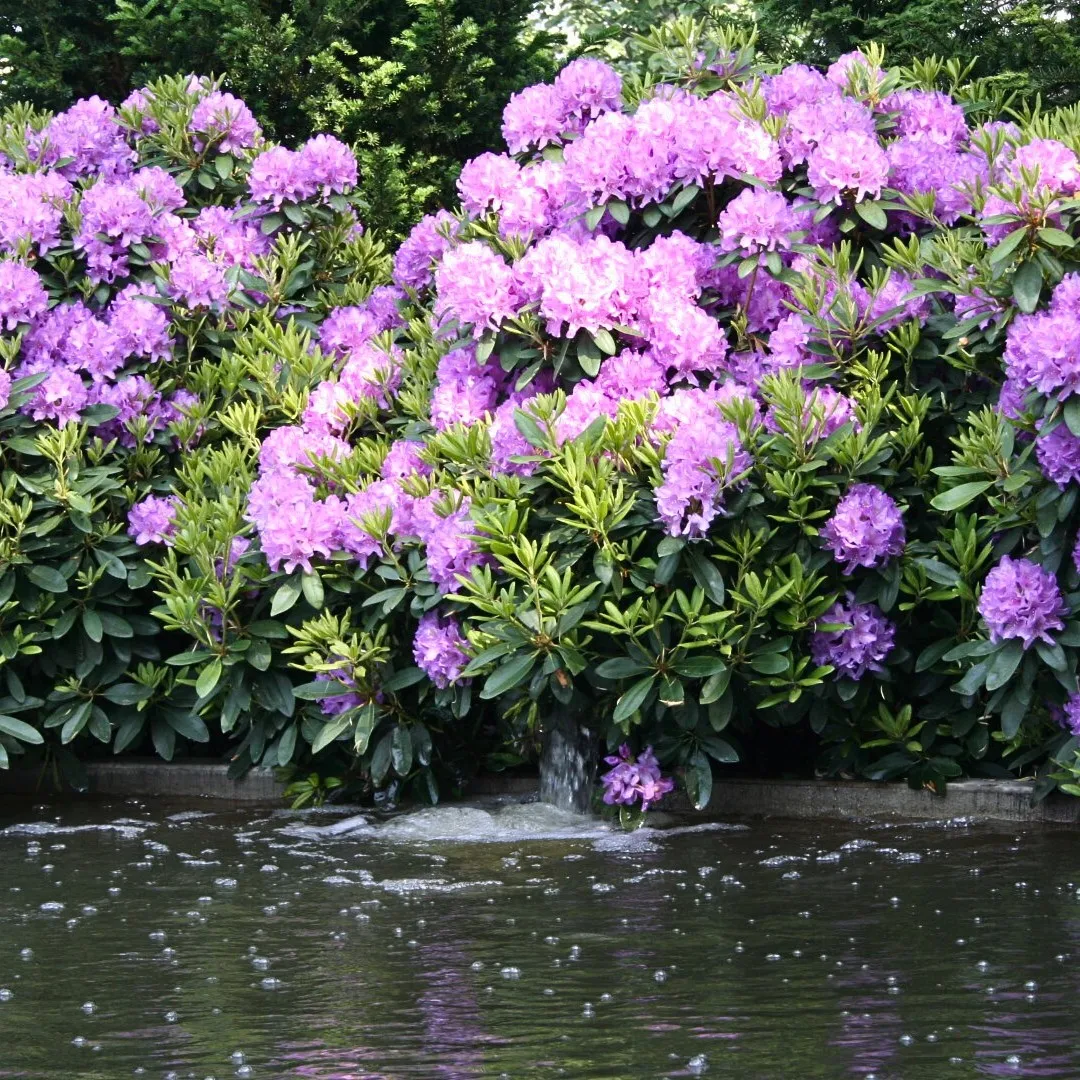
(523, 942)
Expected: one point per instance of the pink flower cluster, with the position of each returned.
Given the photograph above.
(154, 257)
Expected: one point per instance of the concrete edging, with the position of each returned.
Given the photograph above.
(158, 779)
(987, 800)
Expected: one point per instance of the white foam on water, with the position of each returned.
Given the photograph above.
(49, 828)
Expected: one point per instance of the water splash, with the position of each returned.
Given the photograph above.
(568, 765)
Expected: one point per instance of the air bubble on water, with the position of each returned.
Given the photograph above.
(605, 998)
(79, 1040)
(271, 983)
(51, 907)
(698, 1064)
(660, 975)
(510, 972)
(245, 1070)
(5, 994)
(26, 954)
(477, 965)
(260, 963)
(1013, 1059)
(171, 1017)
(226, 882)
(237, 1057)
(88, 1007)
(588, 1010)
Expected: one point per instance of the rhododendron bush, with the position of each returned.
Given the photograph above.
(138, 248)
(730, 414)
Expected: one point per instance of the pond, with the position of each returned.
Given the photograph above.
(519, 941)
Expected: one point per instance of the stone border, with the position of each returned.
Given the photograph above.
(986, 800)
(152, 778)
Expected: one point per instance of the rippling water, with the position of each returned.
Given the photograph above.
(523, 942)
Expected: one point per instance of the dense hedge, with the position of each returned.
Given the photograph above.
(732, 410)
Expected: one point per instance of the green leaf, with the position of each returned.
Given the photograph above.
(268, 628)
(208, 678)
(1072, 415)
(672, 691)
(401, 750)
(1007, 246)
(223, 164)
(769, 663)
(619, 211)
(699, 780)
(164, 738)
(700, 667)
(286, 746)
(380, 760)
(189, 725)
(286, 596)
(633, 699)
(604, 341)
(1056, 238)
(331, 731)
(508, 675)
(1027, 286)
(706, 575)
(972, 682)
(1004, 665)
(873, 215)
(684, 199)
(92, 624)
(127, 693)
(714, 687)
(76, 722)
(186, 659)
(20, 730)
(621, 667)
(258, 654)
(720, 749)
(406, 677)
(313, 590)
(115, 626)
(48, 578)
(959, 496)
(529, 429)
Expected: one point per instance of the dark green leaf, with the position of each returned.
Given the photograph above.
(959, 496)
(507, 676)
(20, 730)
(633, 699)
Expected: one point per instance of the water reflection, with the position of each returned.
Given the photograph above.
(515, 941)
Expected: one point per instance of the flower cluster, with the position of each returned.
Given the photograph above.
(861, 642)
(631, 778)
(866, 530)
(1021, 600)
(440, 649)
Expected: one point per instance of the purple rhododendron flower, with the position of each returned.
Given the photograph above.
(153, 521)
(1058, 453)
(704, 457)
(861, 647)
(440, 649)
(867, 528)
(632, 778)
(22, 296)
(227, 118)
(1021, 600)
(1071, 715)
